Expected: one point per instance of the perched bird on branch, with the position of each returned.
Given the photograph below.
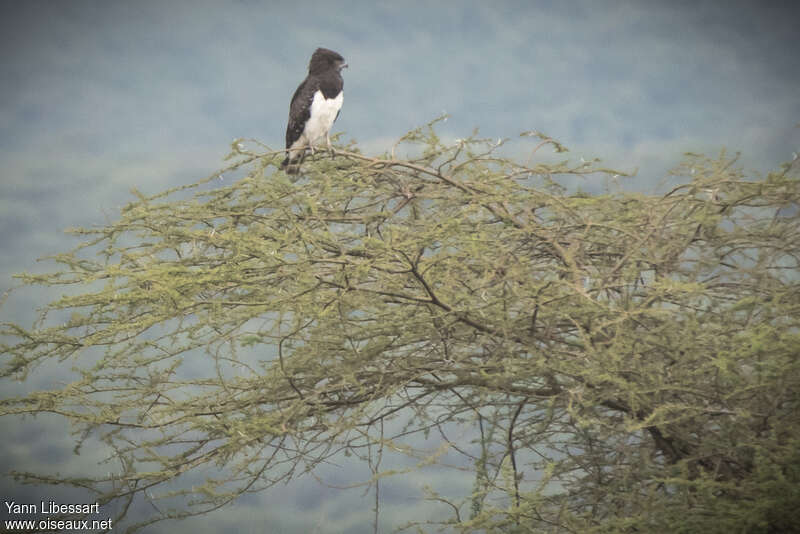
(315, 106)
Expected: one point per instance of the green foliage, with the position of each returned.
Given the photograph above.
(628, 362)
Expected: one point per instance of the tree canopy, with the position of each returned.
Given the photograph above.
(622, 362)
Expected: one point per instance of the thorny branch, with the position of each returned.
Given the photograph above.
(628, 354)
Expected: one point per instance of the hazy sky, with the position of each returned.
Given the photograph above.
(99, 97)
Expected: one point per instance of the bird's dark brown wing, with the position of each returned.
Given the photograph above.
(300, 109)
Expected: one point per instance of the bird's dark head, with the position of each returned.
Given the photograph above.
(324, 60)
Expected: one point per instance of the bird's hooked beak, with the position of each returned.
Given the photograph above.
(343, 66)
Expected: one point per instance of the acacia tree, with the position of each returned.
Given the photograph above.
(626, 362)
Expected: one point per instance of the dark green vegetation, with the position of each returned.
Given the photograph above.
(625, 362)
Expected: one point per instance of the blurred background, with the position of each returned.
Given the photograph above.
(97, 98)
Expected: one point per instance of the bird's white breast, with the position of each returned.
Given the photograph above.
(323, 113)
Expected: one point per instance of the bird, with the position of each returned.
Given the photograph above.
(315, 106)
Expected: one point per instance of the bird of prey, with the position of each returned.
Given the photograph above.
(315, 106)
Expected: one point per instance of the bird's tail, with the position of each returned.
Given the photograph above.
(290, 167)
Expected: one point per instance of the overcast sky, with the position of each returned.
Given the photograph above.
(100, 97)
